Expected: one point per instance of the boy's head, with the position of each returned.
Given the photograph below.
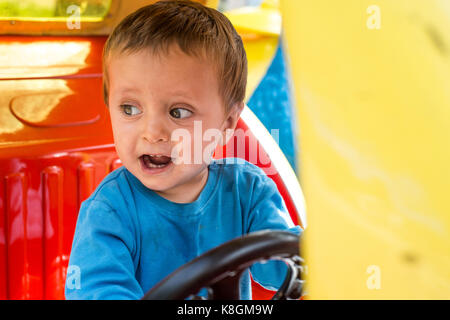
(196, 29)
(174, 71)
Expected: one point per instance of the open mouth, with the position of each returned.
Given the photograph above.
(155, 161)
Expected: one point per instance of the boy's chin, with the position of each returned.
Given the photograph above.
(156, 184)
(169, 192)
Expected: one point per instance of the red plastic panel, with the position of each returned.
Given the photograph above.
(24, 241)
(3, 252)
(86, 184)
(39, 205)
(55, 259)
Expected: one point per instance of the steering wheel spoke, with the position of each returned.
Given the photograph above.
(292, 287)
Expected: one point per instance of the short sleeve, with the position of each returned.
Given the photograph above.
(267, 209)
(101, 261)
(269, 212)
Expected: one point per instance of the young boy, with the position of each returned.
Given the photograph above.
(169, 67)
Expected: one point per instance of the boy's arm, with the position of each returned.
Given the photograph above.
(269, 211)
(101, 264)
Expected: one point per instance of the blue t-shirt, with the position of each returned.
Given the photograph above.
(128, 238)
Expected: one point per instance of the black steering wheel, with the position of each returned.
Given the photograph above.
(220, 269)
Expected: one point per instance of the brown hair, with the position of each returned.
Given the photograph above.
(196, 29)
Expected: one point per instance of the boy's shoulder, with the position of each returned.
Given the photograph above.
(112, 187)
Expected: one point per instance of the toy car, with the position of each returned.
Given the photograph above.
(56, 146)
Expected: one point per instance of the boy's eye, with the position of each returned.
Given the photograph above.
(130, 110)
(180, 113)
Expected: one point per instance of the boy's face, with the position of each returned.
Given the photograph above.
(154, 98)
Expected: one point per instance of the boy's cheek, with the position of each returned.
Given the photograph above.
(196, 150)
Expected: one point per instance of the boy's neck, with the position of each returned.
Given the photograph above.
(188, 192)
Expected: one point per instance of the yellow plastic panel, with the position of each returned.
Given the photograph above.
(260, 28)
(211, 3)
(257, 20)
(372, 88)
(260, 53)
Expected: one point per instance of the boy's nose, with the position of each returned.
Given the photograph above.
(156, 131)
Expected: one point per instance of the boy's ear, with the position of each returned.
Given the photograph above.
(231, 121)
